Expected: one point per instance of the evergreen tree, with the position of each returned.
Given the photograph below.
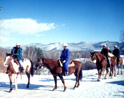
(40, 53)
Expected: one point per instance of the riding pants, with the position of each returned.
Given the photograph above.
(65, 65)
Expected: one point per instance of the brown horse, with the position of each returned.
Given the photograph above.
(56, 70)
(13, 68)
(101, 64)
(121, 65)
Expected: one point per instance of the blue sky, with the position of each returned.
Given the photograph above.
(47, 21)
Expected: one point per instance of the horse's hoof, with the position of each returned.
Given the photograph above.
(73, 88)
(10, 90)
(112, 77)
(98, 80)
(27, 86)
(64, 89)
(54, 89)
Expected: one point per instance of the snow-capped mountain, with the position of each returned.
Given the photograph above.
(77, 46)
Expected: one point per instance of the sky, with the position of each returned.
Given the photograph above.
(49, 21)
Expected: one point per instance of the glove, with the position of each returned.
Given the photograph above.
(64, 61)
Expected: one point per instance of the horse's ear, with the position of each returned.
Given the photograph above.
(7, 54)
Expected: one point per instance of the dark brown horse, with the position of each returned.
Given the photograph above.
(121, 65)
(13, 69)
(101, 64)
(56, 70)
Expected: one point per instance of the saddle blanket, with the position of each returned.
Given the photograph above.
(69, 65)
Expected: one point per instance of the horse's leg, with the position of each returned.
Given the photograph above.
(55, 80)
(15, 80)
(115, 70)
(77, 80)
(118, 69)
(107, 73)
(121, 68)
(112, 72)
(100, 74)
(62, 79)
(28, 75)
(10, 78)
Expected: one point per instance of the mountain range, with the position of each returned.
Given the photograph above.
(78, 46)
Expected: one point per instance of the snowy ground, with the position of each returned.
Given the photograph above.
(42, 85)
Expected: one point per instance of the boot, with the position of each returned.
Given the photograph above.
(21, 68)
(66, 73)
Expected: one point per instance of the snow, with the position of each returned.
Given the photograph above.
(42, 85)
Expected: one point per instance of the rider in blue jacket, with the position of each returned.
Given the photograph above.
(65, 57)
(17, 53)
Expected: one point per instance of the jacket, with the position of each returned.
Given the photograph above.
(65, 55)
(17, 52)
(116, 52)
(105, 51)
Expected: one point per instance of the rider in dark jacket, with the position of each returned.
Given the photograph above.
(105, 52)
(65, 57)
(116, 52)
(17, 54)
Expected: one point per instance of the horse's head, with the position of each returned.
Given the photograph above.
(7, 60)
(93, 56)
(39, 63)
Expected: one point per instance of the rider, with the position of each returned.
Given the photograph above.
(105, 52)
(65, 57)
(17, 53)
(116, 52)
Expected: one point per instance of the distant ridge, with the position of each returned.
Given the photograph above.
(78, 46)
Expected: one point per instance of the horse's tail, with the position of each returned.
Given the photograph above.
(80, 74)
(32, 68)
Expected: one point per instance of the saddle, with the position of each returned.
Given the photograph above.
(110, 55)
(71, 63)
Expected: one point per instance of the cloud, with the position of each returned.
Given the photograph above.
(3, 38)
(25, 26)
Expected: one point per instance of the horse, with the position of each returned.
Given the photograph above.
(121, 65)
(56, 70)
(101, 64)
(13, 68)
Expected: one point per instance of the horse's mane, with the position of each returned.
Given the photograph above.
(100, 56)
(49, 61)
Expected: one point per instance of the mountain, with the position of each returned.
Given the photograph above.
(78, 46)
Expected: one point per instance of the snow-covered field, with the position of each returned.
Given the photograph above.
(42, 85)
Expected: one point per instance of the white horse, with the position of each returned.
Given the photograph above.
(13, 68)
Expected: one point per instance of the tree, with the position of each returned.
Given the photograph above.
(39, 53)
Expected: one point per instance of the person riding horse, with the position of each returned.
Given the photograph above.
(116, 52)
(17, 54)
(65, 57)
(105, 52)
